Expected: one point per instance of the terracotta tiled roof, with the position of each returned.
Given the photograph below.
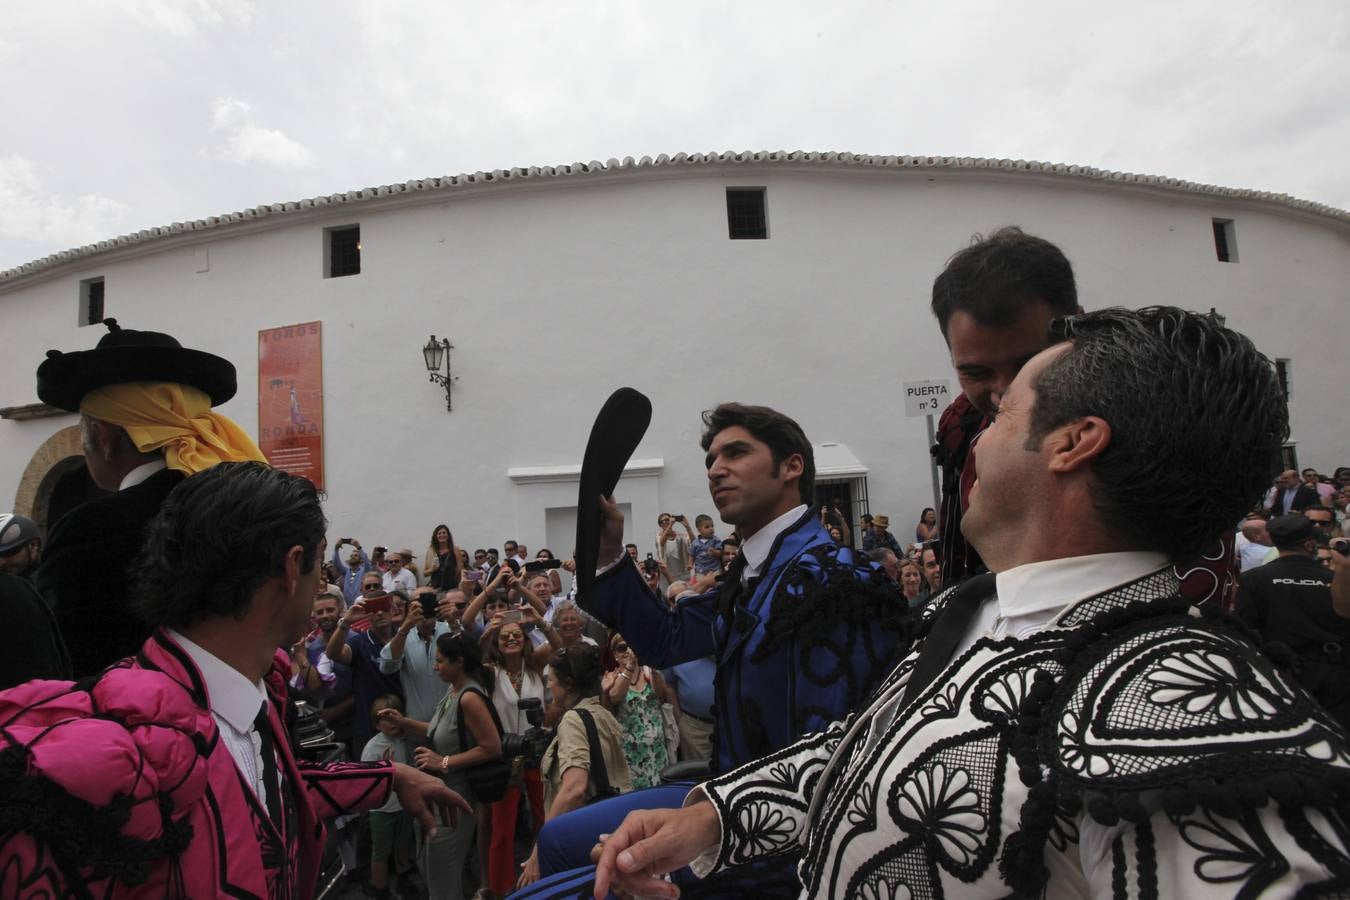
(478, 180)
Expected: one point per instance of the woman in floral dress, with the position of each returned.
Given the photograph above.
(635, 694)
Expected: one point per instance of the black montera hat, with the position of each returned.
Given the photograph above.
(123, 355)
(1290, 530)
(617, 431)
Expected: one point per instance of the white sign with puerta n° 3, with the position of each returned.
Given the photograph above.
(926, 398)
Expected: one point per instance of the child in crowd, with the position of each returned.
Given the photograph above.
(390, 827)
(706, 548)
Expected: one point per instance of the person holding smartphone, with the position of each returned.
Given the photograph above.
(672, 550)
(361, 651)
(410, 655)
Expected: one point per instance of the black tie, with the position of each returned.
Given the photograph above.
(953, 621)
(269, 761)
(731, 588)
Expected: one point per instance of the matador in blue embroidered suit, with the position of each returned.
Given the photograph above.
(802, 631)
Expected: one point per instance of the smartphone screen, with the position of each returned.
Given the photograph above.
(381, 603)
(511, 615)
(475, 575)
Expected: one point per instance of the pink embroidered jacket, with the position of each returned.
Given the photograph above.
(124, 788)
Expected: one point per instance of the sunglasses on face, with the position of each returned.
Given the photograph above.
(621, 648)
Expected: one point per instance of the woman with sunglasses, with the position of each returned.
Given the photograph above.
(517, 668)
(635, 694)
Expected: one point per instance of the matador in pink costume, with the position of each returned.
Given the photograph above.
(131, 784)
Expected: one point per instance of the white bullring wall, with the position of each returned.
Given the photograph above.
(555, 292)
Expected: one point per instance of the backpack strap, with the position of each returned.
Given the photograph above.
(599, 774)
(459, 716)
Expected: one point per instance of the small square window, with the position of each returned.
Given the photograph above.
(1225, 241)
(746, 216)
(342, 251)
(91, 301)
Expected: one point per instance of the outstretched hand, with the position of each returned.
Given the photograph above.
(651, 843)
(611, 531)
(428, 799)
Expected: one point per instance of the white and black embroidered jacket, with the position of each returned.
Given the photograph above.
(1131, 748)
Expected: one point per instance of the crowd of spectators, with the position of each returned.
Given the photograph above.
(401, 652)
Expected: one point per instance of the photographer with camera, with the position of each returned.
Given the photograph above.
(517, 691)
(652, 574)
(585, 761)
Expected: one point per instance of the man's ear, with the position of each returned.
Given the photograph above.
(792, 467)
(103, 437)
(1076, 444)
(293, 565)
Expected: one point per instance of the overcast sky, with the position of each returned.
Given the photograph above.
(123, 114)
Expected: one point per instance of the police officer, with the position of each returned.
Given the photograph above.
(1288, 600)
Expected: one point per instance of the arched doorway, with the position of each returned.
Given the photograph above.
(55, 480)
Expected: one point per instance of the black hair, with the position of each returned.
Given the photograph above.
(463, 648)
(578, 669)
(1197, 421)
(783, 436)
(384, 701)
(219, 536)
(995, 278)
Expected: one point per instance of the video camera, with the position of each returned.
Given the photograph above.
(531, 743)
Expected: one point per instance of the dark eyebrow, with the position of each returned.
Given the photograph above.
(733, 447)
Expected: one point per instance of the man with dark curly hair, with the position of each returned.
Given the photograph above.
(172, 774)
(1069, 725)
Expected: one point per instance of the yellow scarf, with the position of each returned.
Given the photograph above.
(175, 417)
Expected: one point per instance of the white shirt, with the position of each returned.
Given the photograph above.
(756, 548)
(234, 703)
(404, 579)
(141, 473)
(1033, 595)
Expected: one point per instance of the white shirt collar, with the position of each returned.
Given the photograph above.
(756, 548)
(141, 473)
(228, 693)
(1040, 586)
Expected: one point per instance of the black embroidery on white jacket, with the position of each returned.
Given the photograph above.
(1134, 747)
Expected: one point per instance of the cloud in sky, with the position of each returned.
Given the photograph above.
(29, 212)
(248, 142)
(187, 18)
(188, 108)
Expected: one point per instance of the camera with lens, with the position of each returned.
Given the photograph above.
(531, 743)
